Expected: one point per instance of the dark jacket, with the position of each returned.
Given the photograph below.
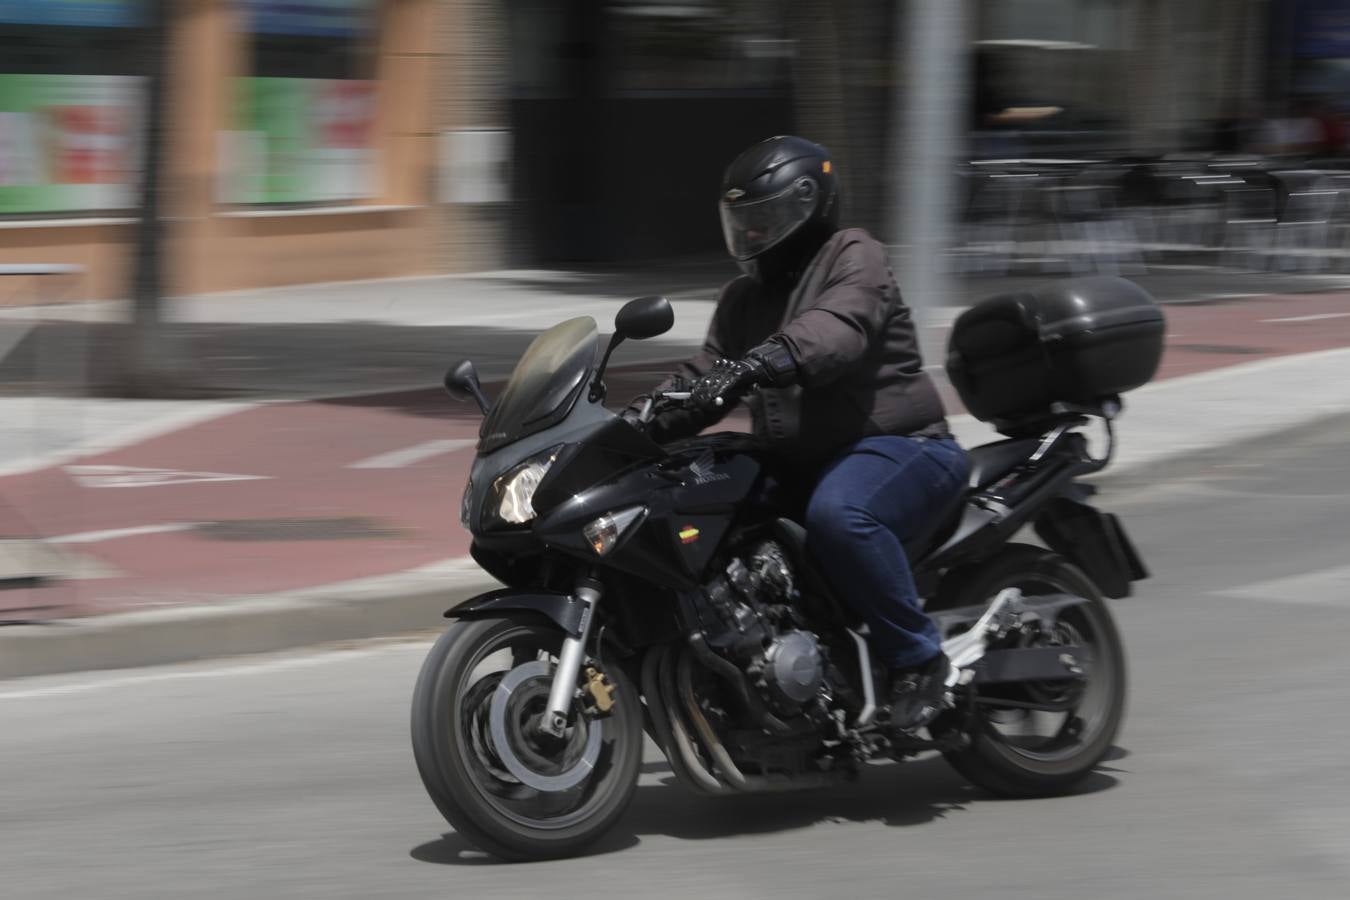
(859, 372)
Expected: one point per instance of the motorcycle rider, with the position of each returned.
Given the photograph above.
(815, 338)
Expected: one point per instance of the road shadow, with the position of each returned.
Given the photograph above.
(453, 849)
(1115, 753)
(894, 796)
(624, 382)
(290, 360)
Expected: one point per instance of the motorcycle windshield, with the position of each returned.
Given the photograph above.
(544, 386)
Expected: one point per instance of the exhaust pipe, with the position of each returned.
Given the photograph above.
(674, 739)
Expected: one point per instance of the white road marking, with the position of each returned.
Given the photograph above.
(108, 424)
(136, 476)
(397, 459)
(1326, 587)
(1234, 295)
(1319, 316)
(1237, 295)
(87, 682)
(111, 534)
(28, 558)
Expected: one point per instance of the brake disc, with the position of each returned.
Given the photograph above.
(509, 755)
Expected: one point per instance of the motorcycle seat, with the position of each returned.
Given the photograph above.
(940, 526)
(990, 462)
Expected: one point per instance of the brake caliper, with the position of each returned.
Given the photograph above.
(601, 691)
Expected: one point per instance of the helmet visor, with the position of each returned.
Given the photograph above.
(754, 226)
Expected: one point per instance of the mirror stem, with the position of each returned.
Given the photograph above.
(597, 393)
(478, 396)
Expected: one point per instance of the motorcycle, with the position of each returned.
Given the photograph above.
(649, 590)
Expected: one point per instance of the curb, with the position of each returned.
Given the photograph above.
(365, 608)
(1165, 424)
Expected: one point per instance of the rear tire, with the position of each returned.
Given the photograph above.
(473, 789)
(992, 760)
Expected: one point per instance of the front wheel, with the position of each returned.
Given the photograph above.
(513, 791)
(1016, 750)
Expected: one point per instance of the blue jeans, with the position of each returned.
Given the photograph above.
(876, 494)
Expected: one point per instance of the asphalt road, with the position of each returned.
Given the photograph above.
(292, 776)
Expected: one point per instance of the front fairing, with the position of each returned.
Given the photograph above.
(692, 493)
(546, 384)
(546, 406)
(583, 419)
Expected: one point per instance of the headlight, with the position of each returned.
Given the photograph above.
(604, 533)
(513, 493)
(464, 504)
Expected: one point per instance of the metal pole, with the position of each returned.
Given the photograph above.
(145, 352)
(928, 128)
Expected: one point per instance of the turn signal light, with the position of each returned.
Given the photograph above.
(604, 533)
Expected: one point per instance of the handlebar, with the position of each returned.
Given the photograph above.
(648, 408)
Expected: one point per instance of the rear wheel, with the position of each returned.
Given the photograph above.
(514, 792)
(1018, 751)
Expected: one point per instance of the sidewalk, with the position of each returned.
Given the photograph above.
(323, 340)
(245, 348)
(213, 527)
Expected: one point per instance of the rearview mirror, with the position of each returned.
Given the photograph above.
(645, 317)
(461, 383)
(639, 319)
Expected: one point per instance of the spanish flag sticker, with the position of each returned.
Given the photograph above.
(688, 534)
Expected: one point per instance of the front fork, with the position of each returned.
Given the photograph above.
(564, 687)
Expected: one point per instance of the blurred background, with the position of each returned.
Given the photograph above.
(324, 140)
(241, 240)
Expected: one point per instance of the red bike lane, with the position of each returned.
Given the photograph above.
(290, 495)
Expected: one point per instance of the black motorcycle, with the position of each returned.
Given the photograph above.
(650, 589)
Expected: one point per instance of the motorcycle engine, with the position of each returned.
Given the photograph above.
(753, 599)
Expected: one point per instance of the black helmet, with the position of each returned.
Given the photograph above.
(779, 203)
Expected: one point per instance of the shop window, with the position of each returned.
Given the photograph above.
(71, 98)
(301, 119)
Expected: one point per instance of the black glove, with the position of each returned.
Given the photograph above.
(728, 381)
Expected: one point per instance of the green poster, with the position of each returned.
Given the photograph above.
(298, 140)
(273, 111)
(67, 142)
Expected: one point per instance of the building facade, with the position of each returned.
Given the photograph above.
(302, 140)
(321, 140)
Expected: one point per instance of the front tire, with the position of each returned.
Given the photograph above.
(476, 751)
(1016, 765)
